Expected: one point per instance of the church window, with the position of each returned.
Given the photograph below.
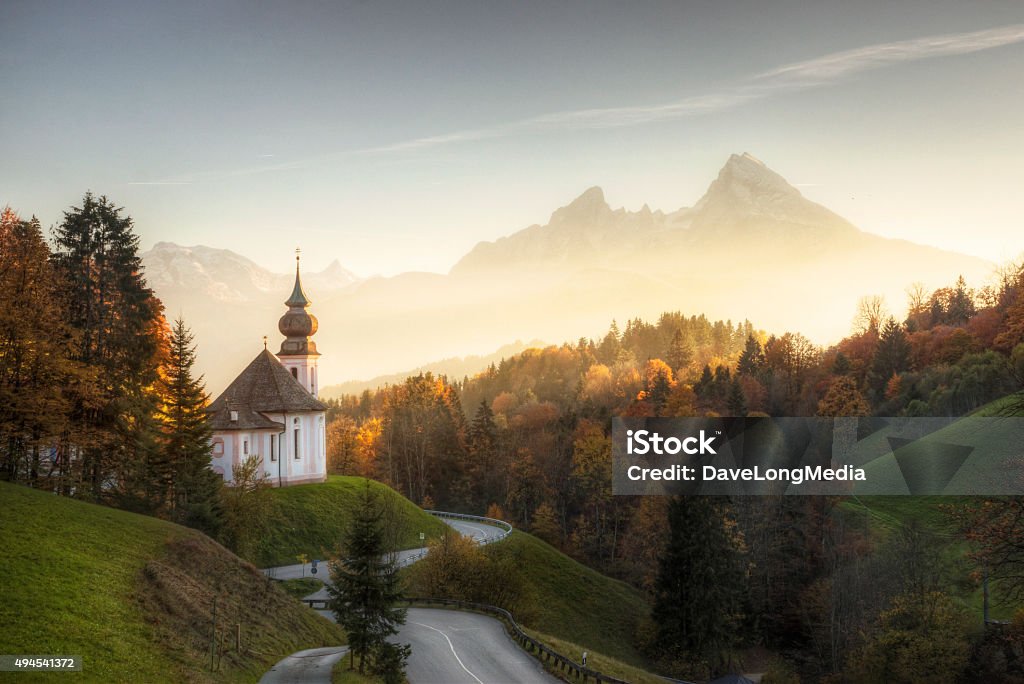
(273, 455)
(245, 447)
(295, 373)
(297, 441)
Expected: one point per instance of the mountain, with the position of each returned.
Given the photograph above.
(224, 276)
(455, 368)
(751, 247)
(228, 301)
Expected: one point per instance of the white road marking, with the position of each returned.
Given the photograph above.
(451, 646)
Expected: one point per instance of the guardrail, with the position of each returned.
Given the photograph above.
(527, 642)
(493, 522)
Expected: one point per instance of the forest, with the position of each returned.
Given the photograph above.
(98, 401)
(528, 440)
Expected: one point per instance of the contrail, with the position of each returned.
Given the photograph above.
(812, 73)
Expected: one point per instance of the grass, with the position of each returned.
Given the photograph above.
(596, 661)
(301, 587)
(887, 513)
(341, 674)
(310, 519)
(133, 596)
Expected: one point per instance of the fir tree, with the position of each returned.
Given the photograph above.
(751, 358)
(892, 355)
(737, 401)
(119, 334)
(680, 353)
(700, 583)
(365, 584)
(193, 487)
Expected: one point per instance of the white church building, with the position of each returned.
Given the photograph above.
(271, 409)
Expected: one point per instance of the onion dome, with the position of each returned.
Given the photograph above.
(297, 324)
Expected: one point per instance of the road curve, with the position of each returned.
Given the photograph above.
(312, 666)
(454, 647)
(448, 647)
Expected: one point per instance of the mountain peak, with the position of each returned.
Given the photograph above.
(746, 189)
(588, 207)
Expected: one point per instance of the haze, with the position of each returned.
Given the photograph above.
(395, 136)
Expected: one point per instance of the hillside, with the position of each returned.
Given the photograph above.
(309, 519)
(134, 596)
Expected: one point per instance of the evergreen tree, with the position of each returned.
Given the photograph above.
(700, 583)
(892, 355)
(960, 308)
(751, 358)
(737, 401)
(193, 487)
(365, 583)
(119, 334)
(680, 352)
(841, 366)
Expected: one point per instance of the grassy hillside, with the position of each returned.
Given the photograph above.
(310, 519)
(134, 595)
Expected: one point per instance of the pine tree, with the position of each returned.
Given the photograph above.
(119, 333)
(193, 487)
(700, 583)
(892, 356)
(680, 353)
(751, 358)
(365, 583)
(737, 401)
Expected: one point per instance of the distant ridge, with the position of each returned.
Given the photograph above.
(751, 247)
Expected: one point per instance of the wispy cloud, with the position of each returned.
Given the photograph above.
(803, 75)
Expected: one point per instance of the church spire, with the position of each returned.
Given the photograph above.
(297, 324)
(298, 298)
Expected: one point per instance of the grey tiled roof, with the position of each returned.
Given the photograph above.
(265, 386)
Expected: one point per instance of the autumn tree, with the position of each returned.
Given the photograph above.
(35, 351)
(843, 399)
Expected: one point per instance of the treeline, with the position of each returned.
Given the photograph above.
(529, 440)
(98, 400)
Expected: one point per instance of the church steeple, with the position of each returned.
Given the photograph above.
(297, 324)
(298, 298)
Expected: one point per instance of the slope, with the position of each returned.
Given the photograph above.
(134, 595)
(309, 519)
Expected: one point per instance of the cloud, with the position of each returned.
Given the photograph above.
(811, 73)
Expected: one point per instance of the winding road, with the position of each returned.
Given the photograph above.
(448, 647)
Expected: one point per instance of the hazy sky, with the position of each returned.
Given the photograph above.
(394, 136)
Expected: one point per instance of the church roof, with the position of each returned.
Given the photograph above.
(265, 386)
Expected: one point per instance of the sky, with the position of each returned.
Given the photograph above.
(395, 136)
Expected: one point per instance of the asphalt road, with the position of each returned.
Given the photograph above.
(478, 531)
(448, 647)
(312, 666)
(453, 647)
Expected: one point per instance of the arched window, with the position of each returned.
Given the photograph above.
(295, 423)
(295, 373)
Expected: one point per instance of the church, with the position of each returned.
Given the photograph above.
(271, 409)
